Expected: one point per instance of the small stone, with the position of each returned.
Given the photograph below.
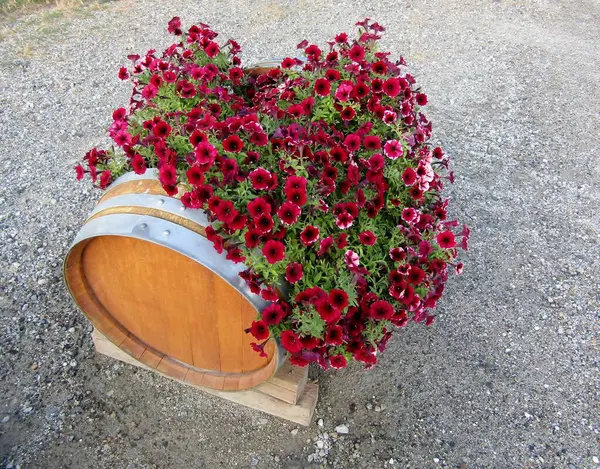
(276, 458)
(27, 410)
(254, 462)
(377, 408)
(42, 281)
(596, 460)
(73, 363)
(436, 460)
(369, 406)
(392, 461)
(294, 432)
(320, 444)
(311, 457)
(320, 422)
(71, 330)
(263, 421)
(322, 452)
(342, 429)
(5, 419)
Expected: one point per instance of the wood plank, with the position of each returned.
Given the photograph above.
(257, 398)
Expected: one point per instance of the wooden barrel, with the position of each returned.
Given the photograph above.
(143, 272)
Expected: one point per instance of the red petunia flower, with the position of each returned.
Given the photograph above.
(138, 164)
(236, 74)
(338, 361)
(338, 298)
(161, 129)
(212, 49)
(233, 144)
(80, 171)
(381, 310)
(397, 254)
(289, 213)
(274, 251)
(325, 245)
(415, 275)
(421, 99)
(352, 142)
(338, 154)
(167, 175)
(393, 149)
(367, 238)
(105, 179)
(446, 239)
(296, 196)
(293, 272)
(334, 335)
(258, 207)
(298, 360)
(356, 53)
(329, 313)
(226, 211)
(252, 238)
(174, 26)
(379, 67)
(313, 52)
(342, 241)
(309, 235)
(391, 87)
(347, 114)
(410, 215)
(259, 330)
(295, 182)
(322, 87)
(409, 176)
(372, 142)
(260, 178)
(264, 223)
(366, 357)
(273, 314)
(123, 74)
(195, 176)
(290, 341)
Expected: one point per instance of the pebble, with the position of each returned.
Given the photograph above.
(320, 444)
(342, 429)
(320, 422)
(294, 432)
(596, 460)
(5, 419)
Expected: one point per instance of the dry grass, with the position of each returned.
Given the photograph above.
(11, 9)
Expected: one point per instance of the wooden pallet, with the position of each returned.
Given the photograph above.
(288, 394)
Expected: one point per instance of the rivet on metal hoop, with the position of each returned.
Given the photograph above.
(161, 201)
(143, 226)
(166, 233)
(182, 208)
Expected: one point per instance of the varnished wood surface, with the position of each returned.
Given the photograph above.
(163, 308)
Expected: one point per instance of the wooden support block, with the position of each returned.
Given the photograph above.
(287, 395)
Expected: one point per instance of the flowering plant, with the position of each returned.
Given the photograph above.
(317, 174)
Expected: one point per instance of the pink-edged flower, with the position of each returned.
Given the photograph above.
(344, 220)
(205, 153)
(425, 248)
(393, 149)
(367, 238)
(233, 144)
(294, 272)
(309, 235)
(338, 361)
(274, 251)
(397, 254)
(351, 259)
(410, 215)
(343, 92)
(258, 207)
(446, 239)
(289, 213)
(338, 298)
(260, 178)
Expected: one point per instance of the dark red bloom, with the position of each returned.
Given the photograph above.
(260, 178)
(409, 176)
(329, 313)
(274, 251)
(123, 74)
(352, 142)
(347, 114)
(338, 154)
(167, 175)
(391, 87)
(258, 207)
(298, 360)
(309, 235)
(80, 171)
(356, 53)
(415, 275)
(290, 341)
(293, 272)
(322, 87)
(289, 213)
(252, 238)
(338, 361)
(379, 67)
(236, 74)
(295, 182)
(313, 52)
(233, 144)
(325, 245)
(195, 176)
(259, 330)
(297, 196)
(334, 335)
(381, 310)
(226, 211)
(421, 99)
(161, 129)
(212, 49)
(372, 142)
(366, 357)
(105, 178)
(273, 314)
(446, 239)
(367, 238)
(338, 298)
(264, 223)
(397, 254)
(174, 26)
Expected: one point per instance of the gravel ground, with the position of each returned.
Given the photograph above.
(507, 378)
